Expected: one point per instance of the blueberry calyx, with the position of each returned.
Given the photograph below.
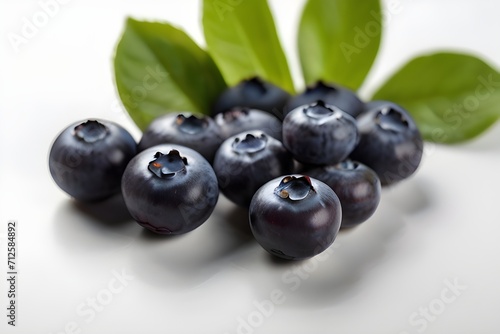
(91, 131)
(255, 87)
(390, 119)
(166, 166)
(235, 113)
(294, 188)
(250, 144)
(320, 110)
(320, 87)
(191, 124)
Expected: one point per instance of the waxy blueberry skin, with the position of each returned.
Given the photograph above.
(88, 158)
(390, 142)
(357, 187)
(248, 160)
(295, 217)
(170, 189)
(238, 120)
(340, 97)
(319, 134)
(197, 132)
(254, 93)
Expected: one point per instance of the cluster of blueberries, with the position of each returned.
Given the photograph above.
(304, 166)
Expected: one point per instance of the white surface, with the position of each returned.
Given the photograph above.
(438, 227)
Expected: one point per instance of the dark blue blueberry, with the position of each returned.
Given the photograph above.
(248, 160)
(88, 158)
(390, 142)
(197, 132)
(238, 120)
(254, 93)
(335, 95)
(295, 217)
(319, 134)
(170, 189)
(357, 187)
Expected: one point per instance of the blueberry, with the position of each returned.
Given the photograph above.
(338, 96)
(295, 217)
(248, 160)
(170, 189)
(237, 120)
(253, 93)
(319, 133)
(197, 132)
(357, 187)
(88, 158)
(390, 142)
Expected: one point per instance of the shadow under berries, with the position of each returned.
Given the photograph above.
(112, 211)
(88, 229)
(338, 274)
(191, 259)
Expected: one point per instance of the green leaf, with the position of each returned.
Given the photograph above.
(159, 69)
(452, 97)
(242, 39)
(338, 40)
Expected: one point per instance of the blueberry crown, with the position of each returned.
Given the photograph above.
(235, 113)
(320, 110)
(391, 119)
(166, 166)
(249, 144)
(191, 124)
(254, 87)
(294, 188)
(91, 131)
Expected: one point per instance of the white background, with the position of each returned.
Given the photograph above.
(439, 228)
